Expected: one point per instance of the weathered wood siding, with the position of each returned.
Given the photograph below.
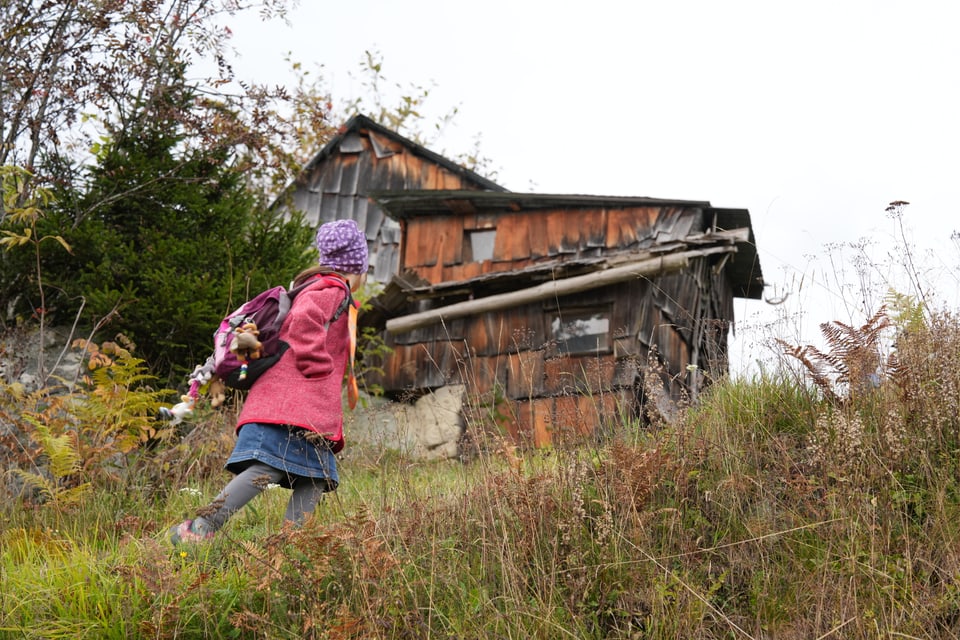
(510, 357)
(364, 159)
(434, 245)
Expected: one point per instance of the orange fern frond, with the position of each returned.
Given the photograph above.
(853, 357)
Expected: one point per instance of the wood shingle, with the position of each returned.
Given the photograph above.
(548, 306)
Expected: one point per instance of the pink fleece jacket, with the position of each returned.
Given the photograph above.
(303, 388)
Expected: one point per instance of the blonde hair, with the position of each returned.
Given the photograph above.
(309, 272)
(355, 280)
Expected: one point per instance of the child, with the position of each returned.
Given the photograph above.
(291, 423)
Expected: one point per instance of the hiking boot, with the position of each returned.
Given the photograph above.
(184, 533)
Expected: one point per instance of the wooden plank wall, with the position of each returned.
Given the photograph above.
(434, 243)
(508, 357)
(543, 421)
(336, 189)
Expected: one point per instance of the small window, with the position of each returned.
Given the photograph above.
(478, 245)
(581, 331)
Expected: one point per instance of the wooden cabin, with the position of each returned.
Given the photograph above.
(549, 307)
(364, 157)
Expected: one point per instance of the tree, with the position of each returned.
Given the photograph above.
(165, 229)
(173, 239)
(69, 64)
(160, 184)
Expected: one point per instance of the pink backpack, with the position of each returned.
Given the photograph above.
(267, 310)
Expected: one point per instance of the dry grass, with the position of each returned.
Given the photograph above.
(769, 510)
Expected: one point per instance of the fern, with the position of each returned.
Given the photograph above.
(811, 358)
(853, 361)
(907, 314)
(85, 433)
(64, 461)
(121, 406)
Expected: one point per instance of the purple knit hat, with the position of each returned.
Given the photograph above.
(343, 247)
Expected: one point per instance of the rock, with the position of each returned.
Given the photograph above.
(429, 429)
(20, 359)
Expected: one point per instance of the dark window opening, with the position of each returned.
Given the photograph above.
(581, 331)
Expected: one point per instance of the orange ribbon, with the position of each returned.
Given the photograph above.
(353, 391)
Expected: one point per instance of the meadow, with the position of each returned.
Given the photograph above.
(818, 498)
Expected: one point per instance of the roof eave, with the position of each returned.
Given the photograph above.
(402, 205)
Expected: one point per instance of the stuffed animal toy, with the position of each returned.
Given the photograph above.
(245, 344)
(203, 379)
(217, 392)
(176, 414)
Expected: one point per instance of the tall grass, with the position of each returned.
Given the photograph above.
(768, 510)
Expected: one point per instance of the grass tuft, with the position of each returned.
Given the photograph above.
(768, 509)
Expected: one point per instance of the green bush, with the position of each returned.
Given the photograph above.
(165, 241)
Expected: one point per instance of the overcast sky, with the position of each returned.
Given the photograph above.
(813, 115)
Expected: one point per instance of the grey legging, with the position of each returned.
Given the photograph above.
(248, 484)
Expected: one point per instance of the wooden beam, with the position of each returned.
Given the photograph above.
(553, 289)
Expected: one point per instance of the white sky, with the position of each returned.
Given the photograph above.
(813, 115)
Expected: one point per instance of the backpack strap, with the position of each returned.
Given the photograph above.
(284, 304)
(287, 301)
(344, 304)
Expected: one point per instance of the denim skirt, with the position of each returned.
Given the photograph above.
(301, 453)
